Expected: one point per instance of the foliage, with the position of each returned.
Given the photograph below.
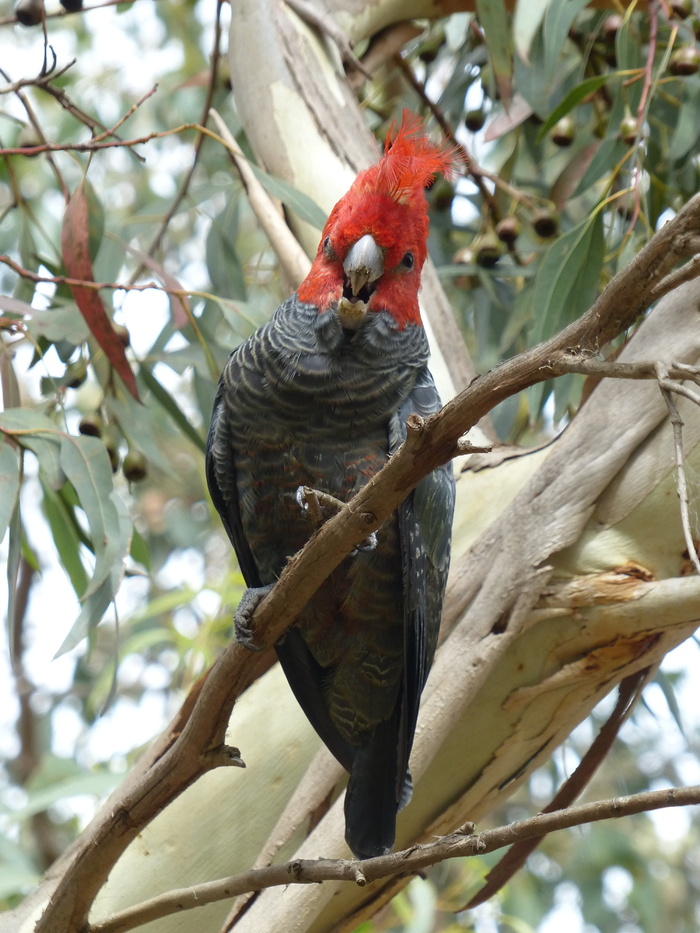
(585, 127)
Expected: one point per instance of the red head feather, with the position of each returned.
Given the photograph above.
(387, 201)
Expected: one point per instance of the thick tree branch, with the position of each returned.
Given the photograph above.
(465, 843)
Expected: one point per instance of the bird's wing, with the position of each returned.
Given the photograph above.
(221, 476)
(425, 530)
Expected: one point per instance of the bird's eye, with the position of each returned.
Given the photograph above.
(407, 261)
(328, 249)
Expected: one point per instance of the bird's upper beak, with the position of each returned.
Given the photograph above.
(363, 265)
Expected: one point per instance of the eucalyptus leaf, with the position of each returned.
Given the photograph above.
(224, 265)
(687, 127)
(140, 426)
(38, 433)
(558, 19)
(574, 97)
(66, 537)
(64, 322)
(497, 33)
(97, 784)
(303, 206)
(168, 403)
(526, 21)
(10, 470)
(86, 464)
(98, 599)
(568, 277)
(14, 306)
(566, 284)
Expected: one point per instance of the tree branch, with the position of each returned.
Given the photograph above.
(462, 844)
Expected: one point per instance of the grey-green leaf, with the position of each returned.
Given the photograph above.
(557, 22)
(36, 432)
(295, 200)
(574, 97)
(64, 322)
(10, 466)
(86, 464)
(97, 599)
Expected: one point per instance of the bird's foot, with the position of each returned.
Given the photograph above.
(243, 619)
(320, 506)
(369, 544)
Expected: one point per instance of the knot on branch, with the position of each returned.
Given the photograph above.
(224, 756)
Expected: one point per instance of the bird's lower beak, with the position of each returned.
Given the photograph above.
(363, 265)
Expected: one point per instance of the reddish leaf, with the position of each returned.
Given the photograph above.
(75, 238)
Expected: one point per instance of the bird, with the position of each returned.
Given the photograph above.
(318, 398)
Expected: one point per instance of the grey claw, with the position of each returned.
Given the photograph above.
(369, 544)
(243, 619)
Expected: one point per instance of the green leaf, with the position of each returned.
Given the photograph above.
(86, 464)
(60, 323)
(98, 784)
(137, 424)
(557, 22)
(628, 46)
(165, 399)
(494, 19)
(574, 97)
(66, 536)
(568, 276)
(139, 550)
(36, 432)
(666, 685)
(687, 126)
(14, 554)
(566, 283)
(609, 153)
(295, 200)
(10, 471)
(97, 600)
(223, 262)
(526, 21)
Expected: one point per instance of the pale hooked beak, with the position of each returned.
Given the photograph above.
(363, 265)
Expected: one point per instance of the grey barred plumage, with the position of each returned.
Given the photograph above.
(325, 411)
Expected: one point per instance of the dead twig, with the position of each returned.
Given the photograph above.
(408, 861)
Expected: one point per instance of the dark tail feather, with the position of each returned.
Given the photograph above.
(374, 795)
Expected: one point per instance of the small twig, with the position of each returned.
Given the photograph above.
(408, 861)
(40, 81)
(40, 133)
(667, 389)
(83, 283)
(691, 270)
(198, 143)
(292, 258)
(122, 120)
(612, 369)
